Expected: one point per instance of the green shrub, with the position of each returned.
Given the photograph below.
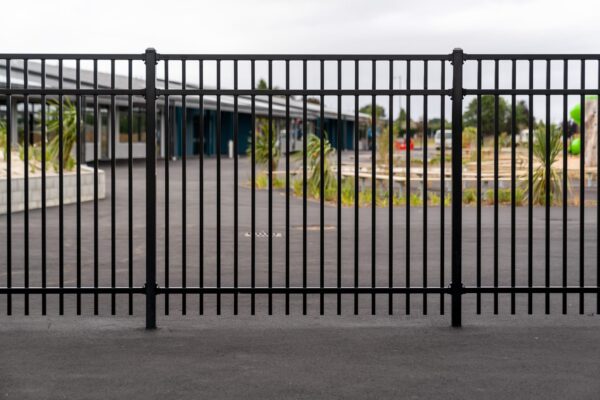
(539, 175)
(416, 200)
(347, 192)
(520, 196)
(504, 140)
(383, 148)
(262, 181)
(399, 200)
(297, 187)
(261, 150)
(3, 139)
(278, 183)
(313, 149)
(34, 154)
(448, 200)
(331, 193)
(469, 196)
(313, 156)
(504, 196)
(364, 197)
(469, 137)
(434, 199)
(437, 159)
(69, 137)
(69, 134)
(382, 199)
(489, 197)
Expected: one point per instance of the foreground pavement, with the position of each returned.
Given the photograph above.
(554, 357)
(296, 357)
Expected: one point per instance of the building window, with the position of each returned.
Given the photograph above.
(138, 125)
(88, 124)
(33, 121)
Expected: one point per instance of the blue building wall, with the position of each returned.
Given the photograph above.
(244, 132)
(244, 129)
(189, 144)
(210, 132)
(347, 133)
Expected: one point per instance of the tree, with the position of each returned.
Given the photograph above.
(402, 116)
(262, 84)
(400, 122)
(435, 124)
(487, 115)
(521, 115)
(379, 110)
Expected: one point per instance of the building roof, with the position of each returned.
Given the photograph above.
(122, 81)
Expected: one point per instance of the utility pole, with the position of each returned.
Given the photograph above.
(399, 77)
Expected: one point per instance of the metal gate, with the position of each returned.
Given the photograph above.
(326, 231)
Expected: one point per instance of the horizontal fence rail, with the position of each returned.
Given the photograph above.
(324, 184)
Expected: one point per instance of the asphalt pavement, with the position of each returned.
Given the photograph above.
(298, 356)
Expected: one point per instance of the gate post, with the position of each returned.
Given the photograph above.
(150, 60)
(456, 286)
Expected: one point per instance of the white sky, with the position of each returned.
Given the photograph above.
(316, 26)
(308, 26)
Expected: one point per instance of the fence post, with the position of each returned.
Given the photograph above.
(150, 60)
(456, 286)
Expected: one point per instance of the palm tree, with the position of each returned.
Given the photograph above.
(546, 159)
(69, 133)
(262, 146)
(3, 139)
(313, 155)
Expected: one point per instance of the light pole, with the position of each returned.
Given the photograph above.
(399, 77)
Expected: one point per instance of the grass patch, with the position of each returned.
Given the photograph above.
(504, 197)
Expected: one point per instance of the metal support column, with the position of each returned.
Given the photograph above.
(457, 105)
(150, 61)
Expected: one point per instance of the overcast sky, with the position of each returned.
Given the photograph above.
(308, 26)
(316, 26)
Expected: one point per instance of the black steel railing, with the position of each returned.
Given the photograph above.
(52, 84)
(270, 289)
(198, 211)
(547, 92)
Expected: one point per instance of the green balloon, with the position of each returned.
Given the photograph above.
(576, 111)
(576, 114)
(575, 147)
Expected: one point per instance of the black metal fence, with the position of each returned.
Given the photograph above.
(196, 226)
